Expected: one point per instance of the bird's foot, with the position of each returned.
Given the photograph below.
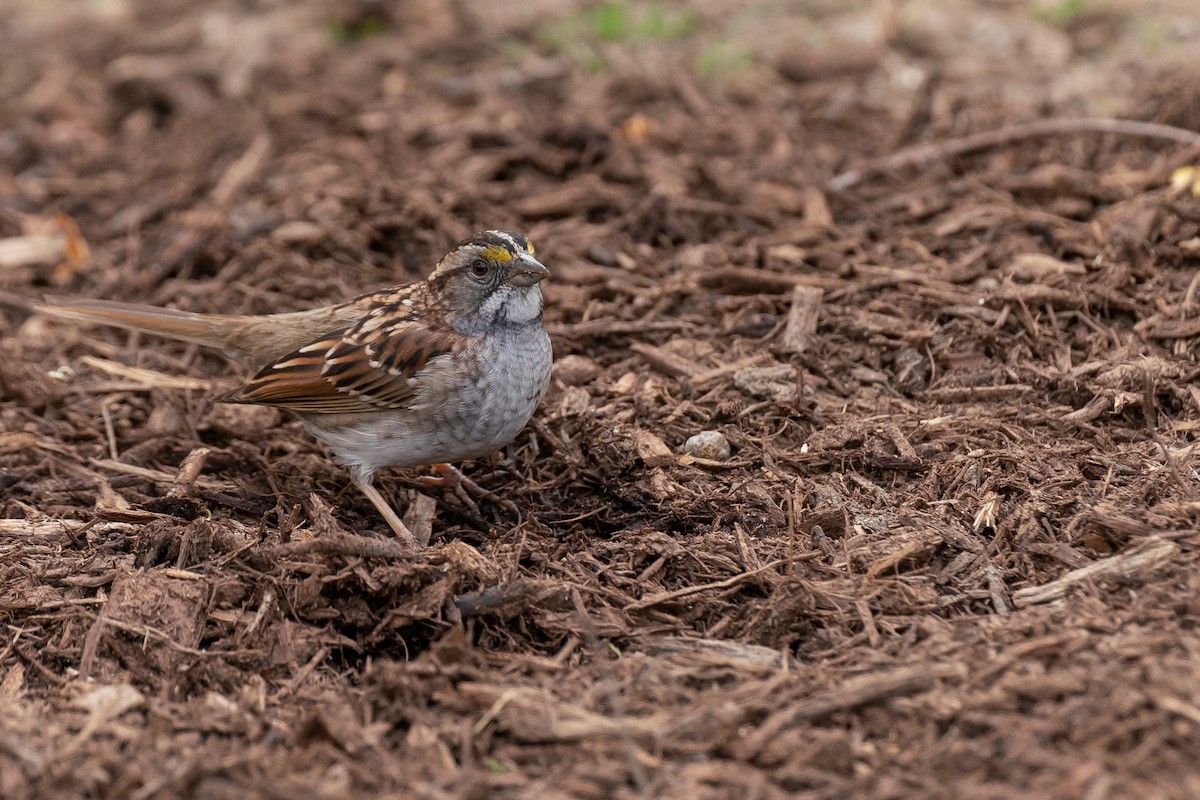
(463, 487)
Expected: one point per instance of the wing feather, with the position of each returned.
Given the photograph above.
(370, 366)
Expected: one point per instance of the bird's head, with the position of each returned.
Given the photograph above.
(491, 279)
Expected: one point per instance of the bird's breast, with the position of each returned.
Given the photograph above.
(462, 409)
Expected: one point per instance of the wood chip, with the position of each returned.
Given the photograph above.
(856, 691)
(666, 362)
(1140, 563)
(976, 394)
(159, 476)
(534, 715)
(653, 450)
(706, 377)
(149, 378)
(802, 318)
(418, 517)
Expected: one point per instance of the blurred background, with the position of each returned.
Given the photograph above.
(192, 141)
(941, 541)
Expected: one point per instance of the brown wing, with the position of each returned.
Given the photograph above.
(369, 366)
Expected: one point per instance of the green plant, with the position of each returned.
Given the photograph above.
(579, 35)
(1066, 12)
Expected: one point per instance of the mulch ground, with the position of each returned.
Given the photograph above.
(952, 551)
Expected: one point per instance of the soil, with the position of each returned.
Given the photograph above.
(951, 552)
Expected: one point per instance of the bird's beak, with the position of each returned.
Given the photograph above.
(527, 270)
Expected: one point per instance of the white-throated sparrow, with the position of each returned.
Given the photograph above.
(445, 369)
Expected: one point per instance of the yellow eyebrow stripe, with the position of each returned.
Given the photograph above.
(495, 252)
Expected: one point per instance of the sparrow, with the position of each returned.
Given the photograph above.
(445, 369)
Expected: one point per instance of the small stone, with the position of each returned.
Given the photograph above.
(635, 129)
(711, 445)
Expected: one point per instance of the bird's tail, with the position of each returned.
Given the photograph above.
(212, 330)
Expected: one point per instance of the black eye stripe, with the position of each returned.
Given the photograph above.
(519, 239)
(513, 242)
(491, 239)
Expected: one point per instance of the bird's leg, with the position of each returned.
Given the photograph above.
(386, 511)
(449, 476)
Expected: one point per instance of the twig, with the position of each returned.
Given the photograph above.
(147, 632)
(264, 608)
(976, 394)
(666, 362)
(700, 379)
(38, 666)
(22, 251)
(868, 621)
(27, 528)
(1152, 554)
(109, 433)
(705, 651)
(1174, 705)
(1059, 644)
(157, 475)
(505, 600)
(938, 151)
(853, 692)
(493, 713)
(687, 591)
(302, 675)
(188, 472)
(1176, 474)
(148, 377)
(892, 560)
(345, 545)
(537, 716)
(248, 165)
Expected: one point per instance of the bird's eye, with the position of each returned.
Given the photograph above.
(479, 268)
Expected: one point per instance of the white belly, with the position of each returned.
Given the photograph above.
(455, 419)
